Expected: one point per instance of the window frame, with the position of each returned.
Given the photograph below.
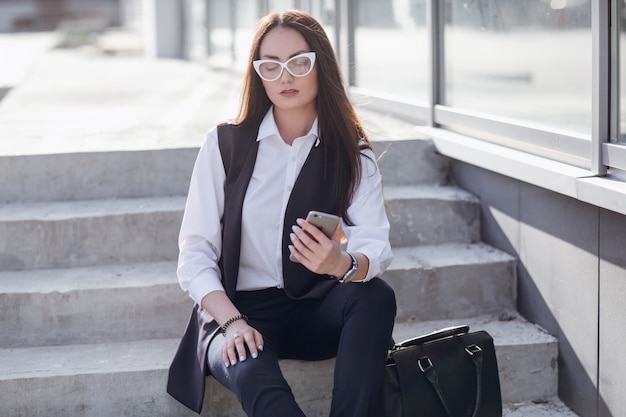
(595, 152)
(575, 164)
(590, 167)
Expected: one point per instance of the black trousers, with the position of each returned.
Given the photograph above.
(353, 323)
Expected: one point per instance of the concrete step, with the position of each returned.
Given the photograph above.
(143, 301)
(113, 379)
(102, 304)
(101, 175)
(166, 172)
(547, 407)
(451, 281)
(410, 161)
(127, 230)
(429, 215)
(85, 233)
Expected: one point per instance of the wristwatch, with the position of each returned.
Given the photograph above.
(349, 275)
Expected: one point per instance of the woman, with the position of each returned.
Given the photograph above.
(296, 146)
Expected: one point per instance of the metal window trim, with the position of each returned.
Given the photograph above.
(436, 65)
(601, 76)
(617, 8)
(345, 32)
(614, 155)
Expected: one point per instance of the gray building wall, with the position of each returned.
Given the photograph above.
(571, 280)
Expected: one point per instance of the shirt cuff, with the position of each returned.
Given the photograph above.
(201, 286)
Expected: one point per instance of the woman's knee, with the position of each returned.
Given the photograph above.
(384, 292)
(378, 292)
(374, 296)
(251, 375)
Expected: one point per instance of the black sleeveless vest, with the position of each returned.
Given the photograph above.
(314, 189)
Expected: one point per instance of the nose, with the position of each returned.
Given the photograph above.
(285, 75)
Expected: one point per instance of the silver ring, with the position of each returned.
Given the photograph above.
(236, 336)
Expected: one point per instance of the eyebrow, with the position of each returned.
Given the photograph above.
(277, 59)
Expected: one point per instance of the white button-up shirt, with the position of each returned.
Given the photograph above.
(275, 173)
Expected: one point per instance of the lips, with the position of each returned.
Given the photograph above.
(289, 93)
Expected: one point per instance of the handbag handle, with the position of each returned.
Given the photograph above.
(474, 352)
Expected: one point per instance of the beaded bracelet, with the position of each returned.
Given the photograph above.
(232, 320)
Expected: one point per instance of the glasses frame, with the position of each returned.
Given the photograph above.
(284, 65)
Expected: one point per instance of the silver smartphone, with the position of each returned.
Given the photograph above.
(327, 223)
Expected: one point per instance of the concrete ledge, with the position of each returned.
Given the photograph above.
(579, 183)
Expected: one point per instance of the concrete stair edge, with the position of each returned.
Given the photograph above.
(93, 228)
(167, 171)
(90, 232)
(123, 365)
(142, 300)
(431, 214)
(110, 174)
(454, 280)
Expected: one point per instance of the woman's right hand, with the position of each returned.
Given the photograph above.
(239, 335)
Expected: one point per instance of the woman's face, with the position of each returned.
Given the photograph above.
(289, 92)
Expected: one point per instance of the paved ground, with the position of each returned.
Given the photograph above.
(82, 99)
(89, 99)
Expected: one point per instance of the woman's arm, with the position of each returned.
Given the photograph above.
(200, 243)
(238, 334)
(368, 237)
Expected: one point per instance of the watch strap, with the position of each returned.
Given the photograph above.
(349, 275)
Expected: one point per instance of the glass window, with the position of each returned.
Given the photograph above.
(528, 60)
(231, 25)
(391, 48)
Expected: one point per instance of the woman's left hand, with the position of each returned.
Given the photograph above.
(317, 252)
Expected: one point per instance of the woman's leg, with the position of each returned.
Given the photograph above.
(354, 322)
(258, 383)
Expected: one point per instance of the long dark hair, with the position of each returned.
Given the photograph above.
(339, 127)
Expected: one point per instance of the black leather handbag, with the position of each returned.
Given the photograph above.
(447, 373)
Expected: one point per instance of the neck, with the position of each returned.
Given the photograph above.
(293, 124)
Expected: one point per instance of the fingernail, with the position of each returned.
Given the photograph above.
(255, 355)
(233, 362)
(290, 248)
(292, 236)
(294, 228)
(260, 347)
(299, 221)
(227, 364)
(242, 358)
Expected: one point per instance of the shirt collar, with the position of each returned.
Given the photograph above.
(268, 127)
